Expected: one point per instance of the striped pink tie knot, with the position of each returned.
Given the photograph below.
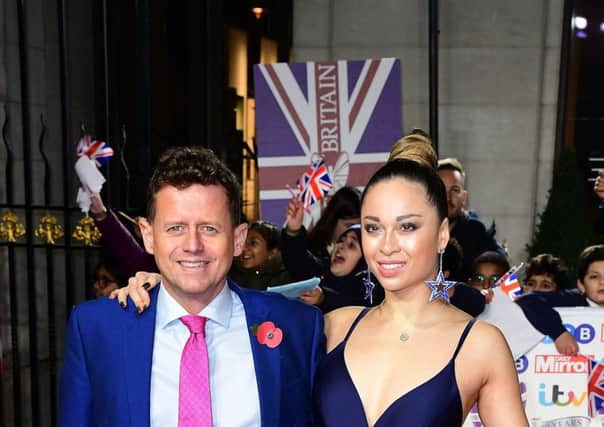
(194, 402)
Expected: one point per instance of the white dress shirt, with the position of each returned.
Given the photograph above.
(233, 384)
(592, 303)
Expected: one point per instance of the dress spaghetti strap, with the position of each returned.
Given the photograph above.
(356, 321)
(465, 333)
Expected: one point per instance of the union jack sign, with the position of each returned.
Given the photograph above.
(346, 112)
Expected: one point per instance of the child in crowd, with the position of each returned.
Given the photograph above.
(108, 276)
(487, 269)
(260, 265)
(545, 273)
(537, 306)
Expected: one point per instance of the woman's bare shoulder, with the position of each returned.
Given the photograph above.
(337, 324)
(486, 341)
(486, 331)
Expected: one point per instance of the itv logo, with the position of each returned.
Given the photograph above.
(559, 397)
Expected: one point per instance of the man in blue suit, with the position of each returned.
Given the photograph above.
(123, 368)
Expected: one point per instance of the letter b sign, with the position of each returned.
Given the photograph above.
(584, 333)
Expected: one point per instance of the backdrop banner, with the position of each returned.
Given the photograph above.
(347, 112)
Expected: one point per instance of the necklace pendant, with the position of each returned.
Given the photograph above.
(404, 337)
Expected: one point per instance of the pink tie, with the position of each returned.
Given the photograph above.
(194, 403)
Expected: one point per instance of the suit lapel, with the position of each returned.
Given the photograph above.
(138, 354)
(267, 361)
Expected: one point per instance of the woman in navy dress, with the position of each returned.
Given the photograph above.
(414, 360)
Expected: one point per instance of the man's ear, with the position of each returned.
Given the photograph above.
(147, 233)
(580, 286)
(239, 236)
(464, 195)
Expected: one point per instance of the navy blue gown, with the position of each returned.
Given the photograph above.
(435, 403)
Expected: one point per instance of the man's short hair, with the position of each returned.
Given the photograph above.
(181, 167)
(451, 163)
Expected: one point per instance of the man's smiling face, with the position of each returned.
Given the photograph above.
(194, 239)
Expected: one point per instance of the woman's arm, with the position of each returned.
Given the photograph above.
(498, 399)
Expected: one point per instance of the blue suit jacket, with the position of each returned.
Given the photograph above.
(106, 374)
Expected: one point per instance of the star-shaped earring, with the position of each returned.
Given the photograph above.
(440, 287)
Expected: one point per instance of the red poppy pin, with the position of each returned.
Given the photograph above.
(268, 334)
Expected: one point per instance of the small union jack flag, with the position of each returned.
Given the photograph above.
(314, 184)
(511, 286)
(595, 387)
(509, 283)
(96, 150)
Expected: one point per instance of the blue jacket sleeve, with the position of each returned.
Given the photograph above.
(75, 396)
(318, 349)
(538, 309)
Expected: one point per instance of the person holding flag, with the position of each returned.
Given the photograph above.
(341, 211)
(92, 154)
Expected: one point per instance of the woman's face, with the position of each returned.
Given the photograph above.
(255, 252)
(401, 234)
(345, 255)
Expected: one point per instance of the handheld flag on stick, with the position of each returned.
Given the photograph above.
(509, 282)
(128, 217)
(92, 154)
(96, 150)
(314, 184)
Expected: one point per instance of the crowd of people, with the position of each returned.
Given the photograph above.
(404, 270)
